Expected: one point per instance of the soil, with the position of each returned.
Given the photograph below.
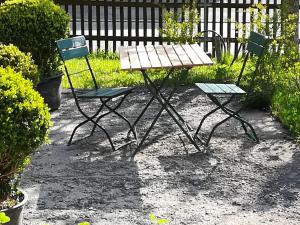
(233, 182)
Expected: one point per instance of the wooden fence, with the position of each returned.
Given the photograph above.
(107, 24)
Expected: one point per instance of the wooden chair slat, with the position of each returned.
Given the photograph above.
(236, 89)
(216, 89)
(225, 88)
(204, 87)
(74, 42)
(74, 53)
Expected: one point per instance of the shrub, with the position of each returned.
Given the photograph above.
(286, 105)
(282, 52)
(11, 56)
(34, 26)
(286, 100)
(24, 123)
(180, 27)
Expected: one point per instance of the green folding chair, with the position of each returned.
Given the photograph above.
(256, 45)
(73, 48)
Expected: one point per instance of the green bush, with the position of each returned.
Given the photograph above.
(22, 63)
(286, 100)
(286, 105)
(24, 123)
(34, 26)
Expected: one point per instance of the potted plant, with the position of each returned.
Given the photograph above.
(24, 124)
(34, 26)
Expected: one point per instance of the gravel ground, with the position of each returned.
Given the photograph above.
(237, 182)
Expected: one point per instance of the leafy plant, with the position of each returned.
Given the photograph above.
(4, 218)
(11, 56)
(24, 123)
(156, 220)
(279, 56)
(181, 29)
(34, 26)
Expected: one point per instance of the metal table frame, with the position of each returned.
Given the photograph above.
(156, 91)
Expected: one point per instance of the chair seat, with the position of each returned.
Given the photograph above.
(208, 88)
(105, 92)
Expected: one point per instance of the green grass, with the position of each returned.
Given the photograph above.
(109, 74)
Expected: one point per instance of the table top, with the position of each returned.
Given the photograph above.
(162, 56)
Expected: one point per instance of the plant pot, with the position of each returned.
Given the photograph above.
(50, 90)
(16, 213)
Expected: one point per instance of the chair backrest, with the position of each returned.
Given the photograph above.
(73, 48)
(256, 45)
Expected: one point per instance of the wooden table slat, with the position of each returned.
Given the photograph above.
(143, 56)
(153, 57)
(163, 57)
(172, 56)
(202, 55)
(134, 58)
(185, 60)
(192, 55)
(124, 58)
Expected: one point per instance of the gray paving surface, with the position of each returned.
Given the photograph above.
(236, 182)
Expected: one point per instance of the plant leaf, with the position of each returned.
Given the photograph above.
(4, 218)
(162, 221)
(84, 223)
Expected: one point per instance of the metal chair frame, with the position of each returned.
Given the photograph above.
(256, 46)
(76, 47)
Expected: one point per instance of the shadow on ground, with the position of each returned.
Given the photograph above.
(235, 182)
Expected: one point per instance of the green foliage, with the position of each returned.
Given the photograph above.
(286, 105)
(4, 218)
(84, 223)
(280, 55)
(286, 100)
(181, 30)
(34, 26)
(22, 63)
(24, 123)
(156, 220)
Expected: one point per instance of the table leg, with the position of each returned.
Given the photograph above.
(165, 106)
(149, 103)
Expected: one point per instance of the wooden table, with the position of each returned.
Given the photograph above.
(171, 57)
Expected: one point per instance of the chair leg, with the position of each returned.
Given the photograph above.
(219, 106)
(113, 110)
(73, 133)
(232, 114)
(94, 127)
(106, 133)
(243, 122)
(204, 118)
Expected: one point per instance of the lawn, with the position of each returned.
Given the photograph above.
(109, 74)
